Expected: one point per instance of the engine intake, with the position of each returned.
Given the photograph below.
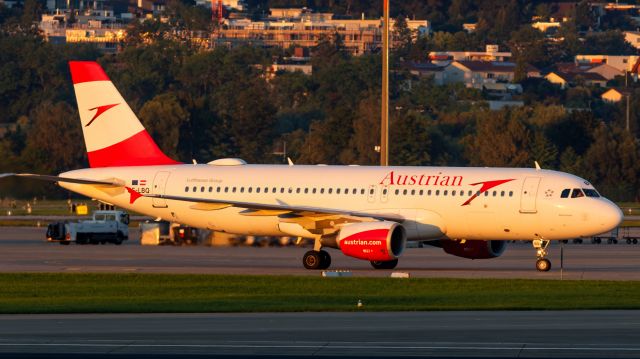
(372, 241)
(474, 249)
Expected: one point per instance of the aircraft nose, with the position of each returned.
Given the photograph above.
(611, 216)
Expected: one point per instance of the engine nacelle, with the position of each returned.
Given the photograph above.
(373, 241)
(474, 249)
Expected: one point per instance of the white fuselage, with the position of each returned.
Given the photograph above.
(524, 204)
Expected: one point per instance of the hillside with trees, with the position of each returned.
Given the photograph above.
(223, 103)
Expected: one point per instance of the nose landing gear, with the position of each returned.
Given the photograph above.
(542, 264)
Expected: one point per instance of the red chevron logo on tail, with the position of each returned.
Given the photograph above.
(101, 109)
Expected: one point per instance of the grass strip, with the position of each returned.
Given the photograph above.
(149, 293)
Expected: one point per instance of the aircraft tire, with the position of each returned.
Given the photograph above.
(312, 260)
(325, 260)
(543, 265)
(384, 264)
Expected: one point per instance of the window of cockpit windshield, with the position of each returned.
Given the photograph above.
(577, 192)
(565, 193)
(591, 192)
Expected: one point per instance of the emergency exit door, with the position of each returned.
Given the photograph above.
(529, 194)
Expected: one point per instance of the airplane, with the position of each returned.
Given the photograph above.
(367, 212)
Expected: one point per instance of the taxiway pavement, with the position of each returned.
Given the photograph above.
(25, 250)
(527, 334)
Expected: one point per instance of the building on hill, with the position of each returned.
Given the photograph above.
(615, 95)
(475, 74)
(491, 54)
(568, 79)
(303, 28)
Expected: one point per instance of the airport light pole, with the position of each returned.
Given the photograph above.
(384, 125)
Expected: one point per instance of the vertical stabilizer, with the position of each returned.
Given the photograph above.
(112, 133)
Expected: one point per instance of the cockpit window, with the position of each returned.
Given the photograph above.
(591, 192)
(577, 192)
(565, 193)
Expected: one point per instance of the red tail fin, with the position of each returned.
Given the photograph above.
(112, 133)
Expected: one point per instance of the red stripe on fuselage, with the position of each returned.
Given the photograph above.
(86, 71)
(137, 150)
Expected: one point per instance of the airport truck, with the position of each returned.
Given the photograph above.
(104, 227)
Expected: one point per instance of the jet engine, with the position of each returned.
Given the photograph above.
(379, 241)
(474, 249)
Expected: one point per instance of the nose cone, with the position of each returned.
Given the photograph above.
(610, 216)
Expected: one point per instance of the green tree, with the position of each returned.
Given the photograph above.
(501, 140)
(163, 117)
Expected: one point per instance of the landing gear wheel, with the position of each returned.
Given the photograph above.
(325, 260)
(543, 265)
(65, 243)
(312, 260)
(384, 264)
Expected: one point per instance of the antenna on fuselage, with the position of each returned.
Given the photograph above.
(537, 165)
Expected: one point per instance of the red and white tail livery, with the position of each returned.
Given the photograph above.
(112, 133)
(366, 212)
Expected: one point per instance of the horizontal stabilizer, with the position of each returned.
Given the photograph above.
(111, 183)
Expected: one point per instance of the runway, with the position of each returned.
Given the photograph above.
(547, 334)
(24, 250)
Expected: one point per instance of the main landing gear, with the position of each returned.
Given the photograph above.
(316, 259)
(542, 264)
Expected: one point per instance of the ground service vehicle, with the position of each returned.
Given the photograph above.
(365, 212)
(105, 226)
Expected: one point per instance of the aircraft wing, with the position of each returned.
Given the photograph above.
(63, 179)
(285, 211)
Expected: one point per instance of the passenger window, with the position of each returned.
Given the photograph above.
(337, 190)
(453, 193)
(437, 192)
(362, 191)
(330, 190)
(195, 189)
(413, 192)
(404, 192)
(397, 192)
(565, 193)
(355, 191)
(250, 189)
(346, 191)
(470, 192)
(233, 190)
(218, 189)
(384, 191)
(281, 189)
(202, 189)
(577, 192)
(274, 190)
(486, 193)
(210, 189)
(257, 189)
(314, 190)
(371, 191)
(226, 189)
(290, 190)
(446, 192)
(186, 189)
(266, 190)
(421, 192)
(306, 190)
(321, 190)
(510, 193)
(241, 189)
(495, 193)
(429, 193)
(502, 194)
(298, 190)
